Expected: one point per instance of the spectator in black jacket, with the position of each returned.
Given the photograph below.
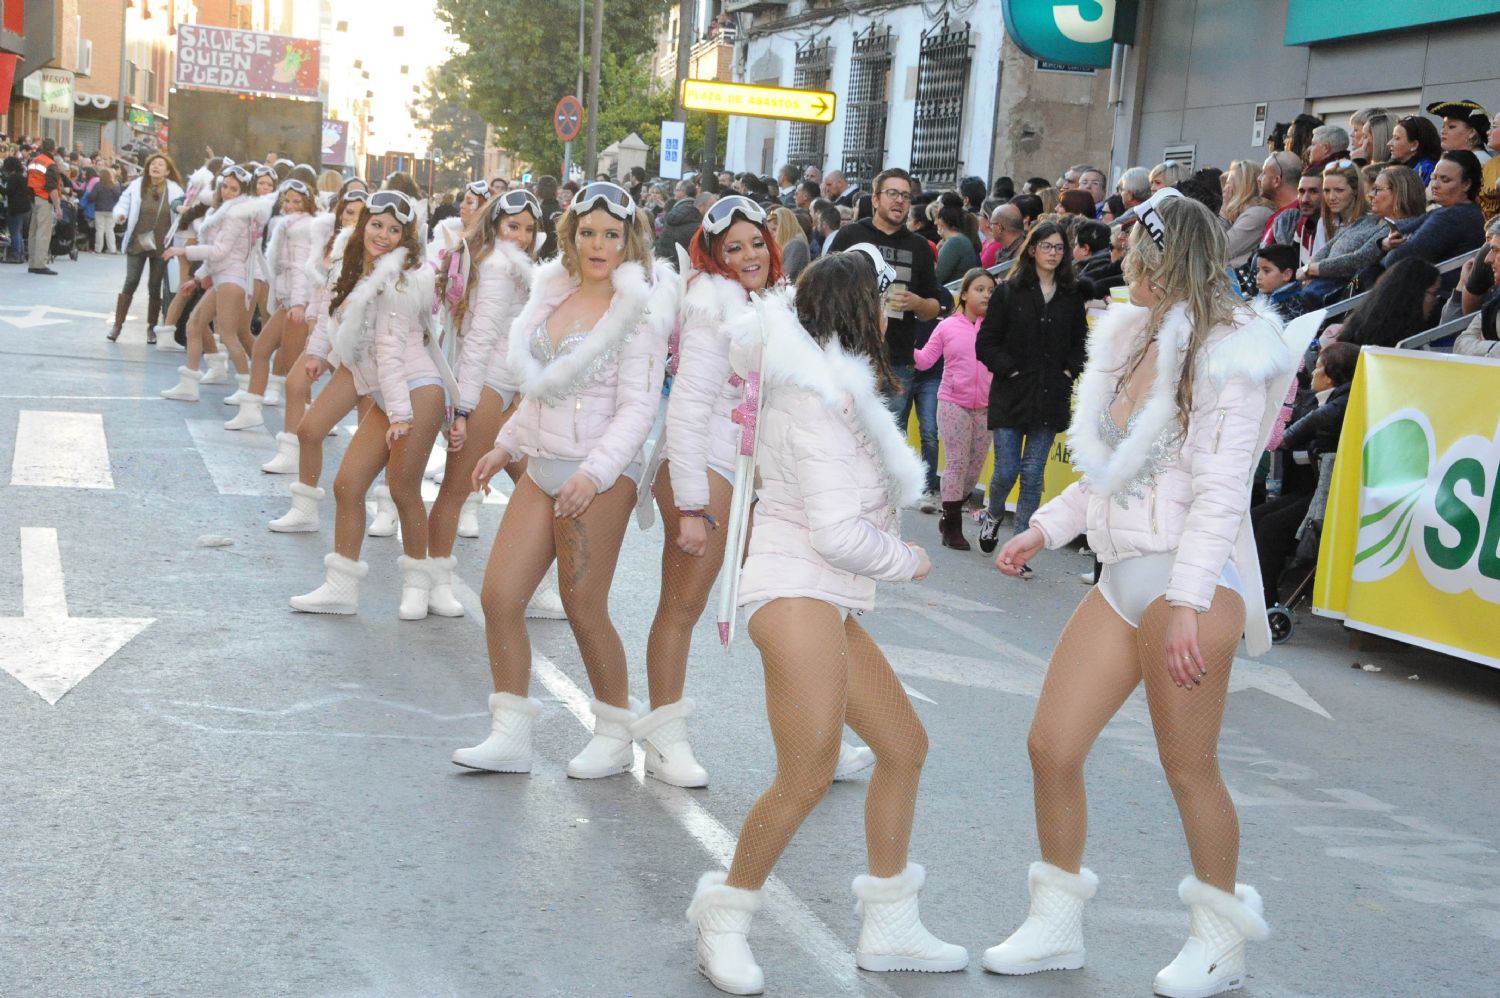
(1457, 224)
(682, 220)
(17, 207)
(1277, 520)
(1033, 341)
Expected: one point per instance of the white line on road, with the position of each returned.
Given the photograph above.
(61, 450)
(832, 954)
(233, 458)
(88, 398)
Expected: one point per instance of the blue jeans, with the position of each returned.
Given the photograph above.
(1020, 452)
(921, 394)
(16, 225)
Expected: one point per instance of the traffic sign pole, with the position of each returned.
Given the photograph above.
(567, 122)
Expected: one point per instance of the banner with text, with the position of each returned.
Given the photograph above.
(335, 142)
(1411, 543)
(225, 59)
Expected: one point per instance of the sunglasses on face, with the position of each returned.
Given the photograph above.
(611, 197)
(722, 215)
(395, 202)
(514, 203)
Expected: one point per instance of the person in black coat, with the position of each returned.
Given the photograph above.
(1033, 340)
(1277, 520)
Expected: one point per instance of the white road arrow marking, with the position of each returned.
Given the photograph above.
(61, 450)
(44, 648)
(35, 316)
(1249, 674)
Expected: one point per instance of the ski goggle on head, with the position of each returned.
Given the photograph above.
(514, 203)
(724, 211)
(611, 197)
(478, 188)
(292, 184)
(264, 171)
(237, 172)
(355, 194)
(395, 202)
(884, 272)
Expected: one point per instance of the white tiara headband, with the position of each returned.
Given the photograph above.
(1148, 214)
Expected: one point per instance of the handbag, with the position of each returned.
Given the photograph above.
(145, 242)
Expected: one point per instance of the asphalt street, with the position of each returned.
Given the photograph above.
(240, 800)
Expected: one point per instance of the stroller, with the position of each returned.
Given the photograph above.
(65, 232)
(1305, 561)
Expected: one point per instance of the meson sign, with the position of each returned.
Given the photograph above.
(225, 59)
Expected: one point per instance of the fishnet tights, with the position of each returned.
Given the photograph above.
(333, 403)
(821, 671)
(404, 462)
(586, 549)
(483, 426)
(1096, 665)
(228, 314)
(686, 581)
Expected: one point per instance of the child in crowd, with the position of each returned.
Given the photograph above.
(1276, 278)
(963, 400)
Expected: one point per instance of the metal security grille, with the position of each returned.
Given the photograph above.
(869, 97)
(942, 83)
(813, 71)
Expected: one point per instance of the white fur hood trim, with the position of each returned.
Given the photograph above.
(1252, 348)
(507, 261)
(284, 224)
(790, 358)
(414, 288)
(201, 183)
(714, 298)
(215, 216)
(638, 301)
(322, 227)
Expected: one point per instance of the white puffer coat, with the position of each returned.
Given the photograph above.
(292, 239)
(597, 401)
(1193, 489)
(699, 430)
(322, 278)
(224, 239)
(501, 283)
(382, 332)
(834, 471)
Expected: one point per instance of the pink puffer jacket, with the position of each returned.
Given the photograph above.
(597, 400)
(292, 238)
(501, 283)
(966, 381)
(834, 471)
(699, 430)
(322, 279)
(382, 332)
(1154, 493)
(224, 240)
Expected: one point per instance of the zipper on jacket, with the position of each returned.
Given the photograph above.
(1219, 429)
(577, 408)
(1153, 509)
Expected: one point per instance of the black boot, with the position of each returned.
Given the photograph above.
(122, 309)
(951, 526)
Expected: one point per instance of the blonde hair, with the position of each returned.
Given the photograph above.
(1049, 196)
(106, 176)
(1355, 178)
(638, 239)
(1188, 269)
(329, 181)
(784, 225)
(1244, 177)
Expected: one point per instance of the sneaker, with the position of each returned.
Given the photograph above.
(930, 502)
(989, 532)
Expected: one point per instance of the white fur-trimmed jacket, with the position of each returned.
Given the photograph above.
(834, 471)
(1194, 491)
(293, 237)
(699, 430)
(597, 401)
(224, 240)
(382, 328)
(501, 283)
(322, 278)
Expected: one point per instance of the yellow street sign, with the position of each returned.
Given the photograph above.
(760, 102)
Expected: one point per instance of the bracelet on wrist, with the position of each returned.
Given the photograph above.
(460, 413)
(699, 514)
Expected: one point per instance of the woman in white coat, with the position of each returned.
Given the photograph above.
(500, 256)
(157, 195)
(1174, 408)
(834, 473)
(590, 347)
(383, 302)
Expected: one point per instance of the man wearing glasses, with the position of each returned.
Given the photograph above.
(914, 297)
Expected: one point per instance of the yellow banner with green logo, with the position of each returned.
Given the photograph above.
(1411, 543)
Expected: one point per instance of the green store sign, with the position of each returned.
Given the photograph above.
(143, 120)
(1074, 32)
(1310, 21)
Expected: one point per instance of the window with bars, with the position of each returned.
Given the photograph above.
(942, 83)
(813, 71)
(869, 97)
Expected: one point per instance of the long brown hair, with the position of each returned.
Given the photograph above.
(1023, 272)
(837, 297)
(481, 236)
(172, 173)
(354, 257)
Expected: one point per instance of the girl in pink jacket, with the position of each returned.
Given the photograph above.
(487, 278)
(963, 400)
(223, 249)
(383, 301)
(834, 473)
(1174, 407)
(293, 233)
(590, 348)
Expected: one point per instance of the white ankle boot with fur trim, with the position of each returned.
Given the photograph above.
(468, 515)
(166, 340)
(892, 936)
(721, 915)
(669, 756)
(303, 516)
(275, 389)
(508, 748)
(242, 389)
(339, 592)
(186, 389)
(1212, 960)
(440, 598)
(612, 749)
(386, 517)
(249, 416)
(218, 369)
(1051, 938)
(416, 585)
(288, 456)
